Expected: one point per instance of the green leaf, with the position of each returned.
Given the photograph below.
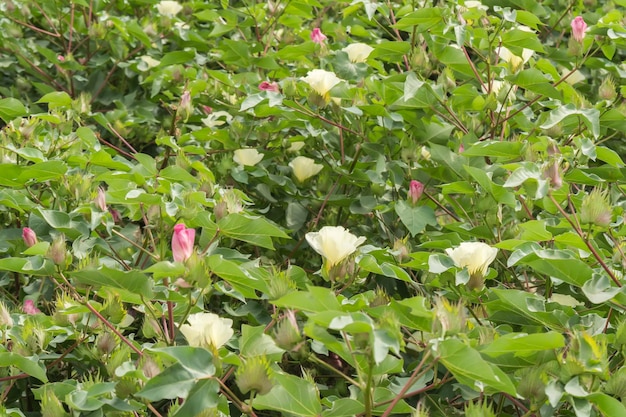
(315, 299)
(415, 218)
(469, 368)
(132, 281)
(255, 230)
(534, 80)
(423, 18)
(11, 108)
(236, 275)
(43, 171)
(204, 395)
(368, 263)
(607, 405)
(35, 265)
(290, 395)
(176, 57)
(522, 344)
(56, 99)
(254, 342)
(518, 38)
(590, 117)
(29, 366)
(495, 148)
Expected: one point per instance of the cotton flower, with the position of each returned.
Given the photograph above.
(334, 243)
(182, 242)
(295, 146)
(267, 86)
(358, 52)
(30, 308)
(101, 200)
(29, 236)
(416, 189)
(247, 157)
(476, 257)
(317, 36)
(169, 8)
(304, 168)
(207, 330)
(321, 81)
(516, 62)
(578, 28)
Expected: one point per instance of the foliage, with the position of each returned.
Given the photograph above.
(417, 127)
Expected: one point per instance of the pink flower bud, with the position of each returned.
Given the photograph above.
(29, 236)
(61, 58)
(267, 86)
(207, 109)
(101, 200)
(29, 307)
(317, 36)
(415, 191)
(578, 28)
(182, 242)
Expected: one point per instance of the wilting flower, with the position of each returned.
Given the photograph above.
(267, 86)
(29, 236)
(30, 308)
(321, 81)
(358, 52)
(169, 8)
(578, 28)
(416, 189)
(247, 157)
(304, 168)
(207, 330)
(334, 243)
(476, 257)
(101, 200)
(182, 242)
(317, 36)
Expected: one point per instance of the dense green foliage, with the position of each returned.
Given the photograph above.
(472, 152)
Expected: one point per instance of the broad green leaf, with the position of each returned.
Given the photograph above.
(315, 299)
(520, 307)
(236, 275)
(469, 368)
(132, 281)
(423, 18)
(494, 148)
(518, 38)
(35, 265)
(202, 396)
(255, 230)
(11, 108)
(369, 263)
(198, 361)
(254, 342)
(534, 80)
(29, 366)
(415, 218)
(176, 57)
(599, 289)
(56, 99)
(607, 405)
(522, 344)
(590, 117)
(291, 395)
(561, 264)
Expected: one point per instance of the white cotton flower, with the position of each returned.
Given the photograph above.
(358, 52)
(574, 78)
(149, 61)
(304, 168)
(476, 256)
(321, 81)
(334, 243)
(296, 146)
(247, 157)
(207, 330)
(169, 8)
(516, 62)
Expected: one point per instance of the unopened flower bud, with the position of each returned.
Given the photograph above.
(29, 236)
(450, 318)
(267, 86)
(56, 251)
(416, 189)
(317, 36)
(578, 28)
(106, 343)
(30, 308)
(607, 89)
(5, 316)
(596, 208)
(51, 405)
(552, 173)
(101, 200)
(185, 108)
(254, 375)
(402, 250)
(287, 334)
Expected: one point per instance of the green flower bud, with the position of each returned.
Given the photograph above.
(607, 89)
(596, 208)
(449, 318)
(255, 375)
(50, 404)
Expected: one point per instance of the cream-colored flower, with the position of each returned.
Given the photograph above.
(247, 157)
(358, 52)
(321, 81)
(334, 243)
(207, 330)
(574, 78)
(476, 256)
(516, 62)
(304, 168)
(296, 146)
(169, 8)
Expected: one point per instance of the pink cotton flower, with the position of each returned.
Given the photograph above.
(267, 86)
(317, 36)
(101, 200)
(415, 191)
(29, 307)
(578, 28)
(182, 242)
(29, 236)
